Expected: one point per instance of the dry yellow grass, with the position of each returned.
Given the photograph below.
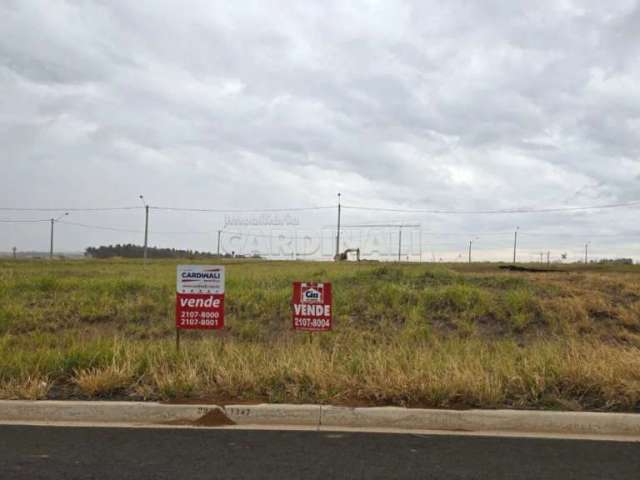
(101, 382)
(460, 373)
(405, 335)
(29, 388)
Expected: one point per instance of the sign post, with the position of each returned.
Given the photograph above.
(199, 298)
(312, 306)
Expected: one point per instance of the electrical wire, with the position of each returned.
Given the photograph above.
(313, 237)
(98, 209)
(496, 211)
(586, 235)
(12, 220)
(243, 234)
(100, 227)
(350, 207)
(220, 210)
(382, 225)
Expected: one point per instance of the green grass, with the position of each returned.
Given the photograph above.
(421, 335)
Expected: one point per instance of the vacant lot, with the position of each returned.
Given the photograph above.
(417, 335)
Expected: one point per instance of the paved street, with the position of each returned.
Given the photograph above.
(30, 452)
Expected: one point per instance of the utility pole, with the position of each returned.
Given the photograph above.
(14, 253)
(586, 252)
(338, 232)
(146, 230)
(399, 243)
(146, 227)
(541, 254)
(515, 243)
(548, 257)
(53, 221)
(219, 233)
(51, 241)
(470, 244)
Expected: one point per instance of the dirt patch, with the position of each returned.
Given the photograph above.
(490, 327)
(214, 418)
(62, 390)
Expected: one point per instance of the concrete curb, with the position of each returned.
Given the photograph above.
(325, 417)
(581, 423)
(274, 414)
(100, 412)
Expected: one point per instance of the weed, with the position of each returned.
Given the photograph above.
(416, 335)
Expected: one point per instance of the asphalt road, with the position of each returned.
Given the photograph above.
(29, 452)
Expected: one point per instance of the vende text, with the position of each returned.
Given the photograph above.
(209, 302)
(311, 306)
(312, 310)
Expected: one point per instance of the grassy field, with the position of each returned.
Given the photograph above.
(452, 336)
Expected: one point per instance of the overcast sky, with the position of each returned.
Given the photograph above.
(453, 105)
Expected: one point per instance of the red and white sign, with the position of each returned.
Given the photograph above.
(312, 308)
(200, 297)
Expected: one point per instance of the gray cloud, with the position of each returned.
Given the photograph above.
(270, 104)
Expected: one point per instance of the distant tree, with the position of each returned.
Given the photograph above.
(623, 261)
(136, 251)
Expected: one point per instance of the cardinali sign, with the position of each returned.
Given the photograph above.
(200, 297)
(312, 306)
(200, 279)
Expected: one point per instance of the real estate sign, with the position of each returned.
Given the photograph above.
(312, 307)
(200, 297)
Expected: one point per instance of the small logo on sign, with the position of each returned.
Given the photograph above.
(311, 293)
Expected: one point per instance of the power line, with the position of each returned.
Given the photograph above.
(48, 209)
(243, 234)
(531, 234)
(382, 225)
(100, 227)
(155, 232)
(496, 211)
(262, 210)
(564, 234)
(466, 234)
(166, 208)
(13, 220)
(127, 230)
(327, 207)
(306, 236)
